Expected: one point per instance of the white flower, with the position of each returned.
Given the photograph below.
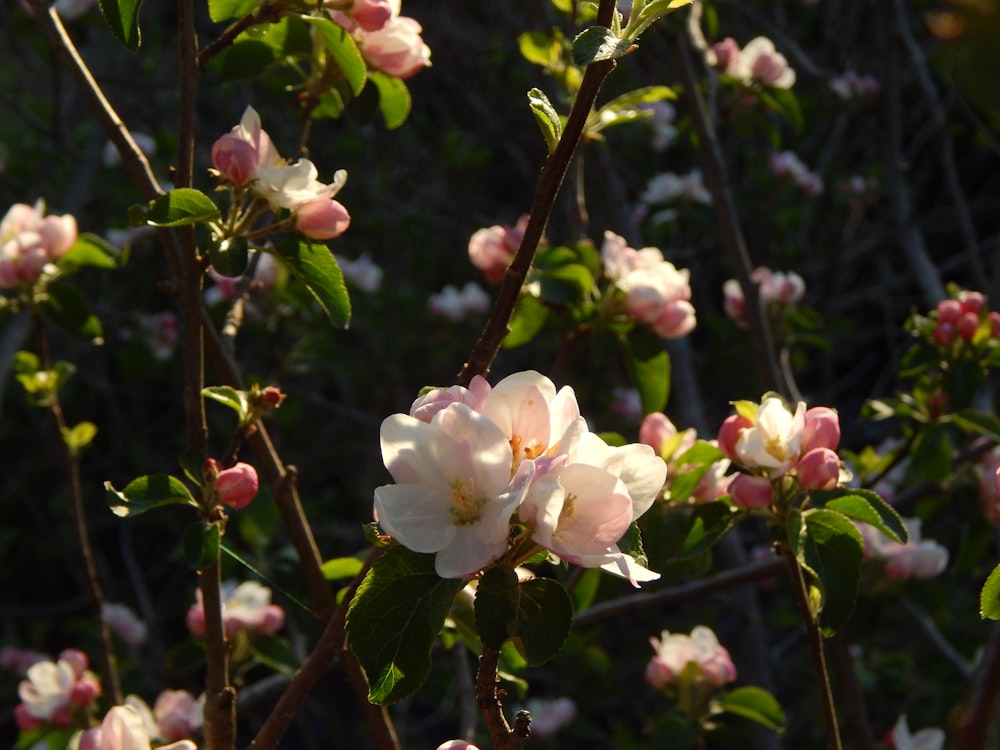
(455, 304)
(364, 273)
(667, 187)
(773, 441)
(291, 185)
(46, 691)
(931, 738)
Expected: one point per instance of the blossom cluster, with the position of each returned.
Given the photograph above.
(246, 157)
(246, 607)
(53, 690)
(30, 240)
(656, 292)
(388, 41)
(678, 657)
(130, 727)
(777, 289)
(770, 441)
(491, 249)
(668, 187)
(961, 318)
(455, 304)
(470, 463)
(757, 62)
(918, 558)
(658, 432)
(786, 165)
(851, 86)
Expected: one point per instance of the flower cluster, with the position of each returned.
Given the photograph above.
(363, 272)
(124, 623)
(786, 165)
(778, 289)
(659, 433)
(491, 249)
(388, 41)
(54, 689)
(668, 187)
(125, 728)
(656, 292)
(962, 318)
(471, 462)
(456, 304)
(30, 240)
(698, 657)
(244, 607)
(770, 441)
(851, 87)
(918, 558)
(757, 62)
(246, 157)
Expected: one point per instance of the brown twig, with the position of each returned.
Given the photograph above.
(730, 232)
(504, 736)
(974, 719)
(95, 595)
(550, 180)
(268, 12)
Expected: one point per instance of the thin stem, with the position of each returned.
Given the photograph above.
(976, 716)
(730, 231)
(815, 637)
(550, 180)
(71, 464)
(504, 736)
(269, 12)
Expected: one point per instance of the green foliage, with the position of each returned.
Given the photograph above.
(649, 366)
(536, 614)
(181, 207)
(315, 265)
(690, 467)
(40, 385)
(200, 544)
(342, 567)
(79, 436)
(223, 10)
(146, 493)
(695, 530)
(598, 43)
(89, 250)
(65, 307)
(234, 398)
(756, 704)
(547, 118)
(989, 598)
(393, 98)
(866, 506)
(122, 17)
(229, 256)
(394, 619)
(342, 48)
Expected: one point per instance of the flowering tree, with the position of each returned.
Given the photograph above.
(493, 559)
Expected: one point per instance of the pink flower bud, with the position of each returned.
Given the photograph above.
(751, 492)
(174, 710)
(24, 720)
(822, 429)
(949, 311)
(972, 302)
(371, 15)
(58, 234)
(84, 691)
(729, 433)
(489, 251)
(943, 334)
(725, 55)
(235, 159)
(676, 319)
(655, 429)
(457, 745)
(397, 48)
(76, 659)
(659, 674)
(195, 620)
(322, 219)
(272, 620)
(968, 324)
(91, 739)
(819, 469)
(237, 486)
(994, 318)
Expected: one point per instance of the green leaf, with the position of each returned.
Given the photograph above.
(546, 117)
(79, 436)
(345, 52)
(631, 545)
(649, 366)
(275, 653)
(978, 423)
(690, 467)
(247, 58)
(146, 493)
(756, 704)
(229, 396)
(200, 544)
(222, 10)
(535, 614)
(932, 453)
(707, 523)
(395, 617)
(229, 257)
(784, 102)
(989, 598)
(181, 207)
(393, 98)
(315, 265)
(528, 318)
(868, 507)
(89, 250)
(565, 284)
(122, 17)
(831, 550)
(341, 567)
(598, 43)
(65, 307)
(40, 385)
(542, 49)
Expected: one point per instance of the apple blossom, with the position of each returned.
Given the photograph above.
(819, 469)
(457, 745)
(667, 187)
(715, 483)
(661, 119)
(124, 729)
(851, 86)
(821, 430)
(178, 714)
(235, 486)
(549, 715)
(773, 442)
(53, 688)
(971, 302)
(454, 494)
(918, 558)
(124, 623)
(729, 434)
(29, 241)
(244, 607)
(967, 326)
(293, 185)
(675, 651)
(930, 738)
(724, 56)
(238, 155)
(363, 272)
(786, 165)
(456, 304)
(759, 61)
(491, 249)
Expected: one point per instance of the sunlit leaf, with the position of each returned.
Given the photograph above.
(315, 265)
(200, 544)
(146, 493)
(546, 117)
(180, 207)
(598, 43)
(122, 17)
(756, 704)
(989, 598)
(393, 98)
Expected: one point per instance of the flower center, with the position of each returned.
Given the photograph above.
(466, 507)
